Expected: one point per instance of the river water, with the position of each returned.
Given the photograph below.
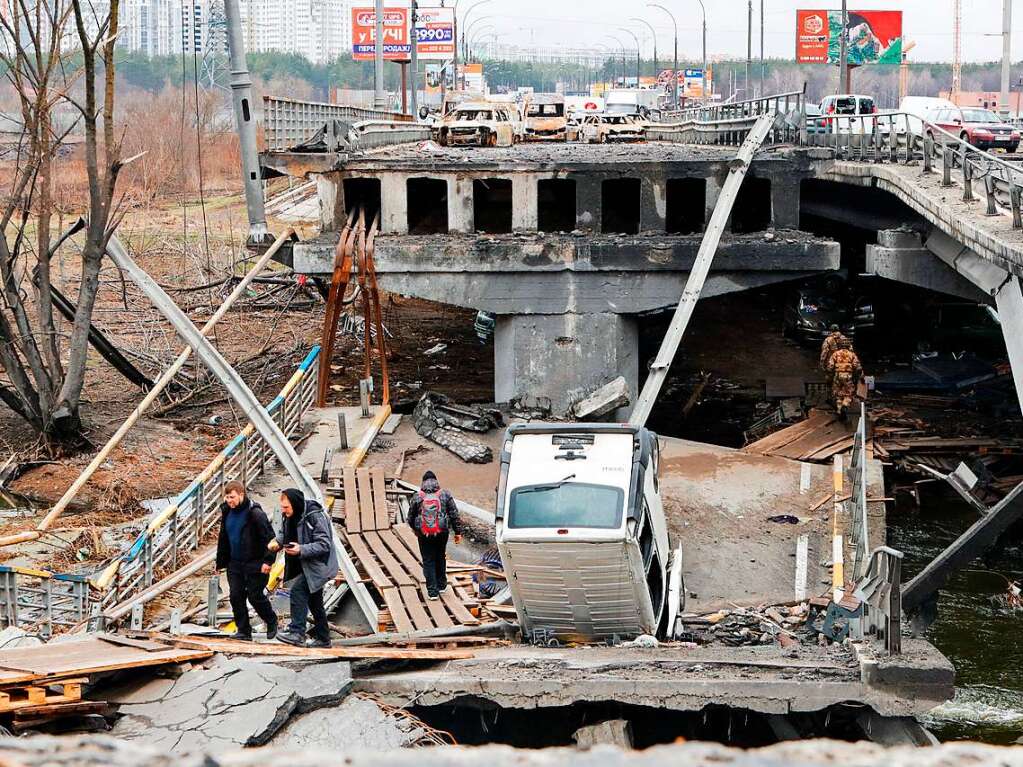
(980, 637)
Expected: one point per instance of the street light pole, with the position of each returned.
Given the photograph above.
(843, 55)
(414, 101)
(1003, 99)
(464, 20)
(622, 46)
(705, 80)
(749, 44)
(653, 32)
(761, 48)
(634, 37)
(674, 71)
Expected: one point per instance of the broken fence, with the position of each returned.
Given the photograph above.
(44, 601)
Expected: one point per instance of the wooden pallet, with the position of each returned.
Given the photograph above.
(15, 697)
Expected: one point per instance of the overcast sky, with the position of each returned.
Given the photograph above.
(581, 23)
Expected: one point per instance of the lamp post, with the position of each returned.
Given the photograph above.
(465, 18)
(610, 56)
(749, 44)
(468, 31)
(478, 35)
(761, 94)
(653, 32)
(705, 80)
(634, 37)
(674, 71)
(622, 46)
(379, 97)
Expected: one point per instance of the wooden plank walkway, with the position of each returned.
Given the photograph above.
(389, 556)
(817, 438)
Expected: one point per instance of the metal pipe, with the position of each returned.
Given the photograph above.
(749, 45)
(761, 94)
(415, 60)
(245, 120)
(674, 72)
(843, 50)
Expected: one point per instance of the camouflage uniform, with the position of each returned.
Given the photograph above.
(831, 343)
(845, 371)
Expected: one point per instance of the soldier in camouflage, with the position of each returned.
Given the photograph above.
(845, 371)
(831, 343)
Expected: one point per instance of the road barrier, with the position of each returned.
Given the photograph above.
(290, 122)
(45, 601)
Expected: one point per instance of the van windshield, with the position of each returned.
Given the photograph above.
(571, 504)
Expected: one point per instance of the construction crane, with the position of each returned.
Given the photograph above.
(957, 49)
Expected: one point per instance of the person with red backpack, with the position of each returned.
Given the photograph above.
(432, 514)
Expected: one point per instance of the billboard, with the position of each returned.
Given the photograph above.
(396, 33)
(435, 33)
(692, 84)
(874, 37)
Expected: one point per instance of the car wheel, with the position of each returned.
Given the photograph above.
(1013, 148)
(443, 139)
(964, 136)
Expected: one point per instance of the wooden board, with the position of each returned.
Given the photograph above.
(409, 559)
(392, 598)
(82, 657)
(395, 571)
(437, 612)
(232, 647)
(367, 517)
(414, 606)
(368, 561)
(383, 516)
(458, 610)
(353, 523)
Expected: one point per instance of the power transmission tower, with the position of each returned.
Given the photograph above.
(214, 72)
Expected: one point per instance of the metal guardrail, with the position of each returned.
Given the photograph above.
(858, 499)
(902, 138)
(729, 124)
(45, 600)
(290, 122)
(779, 103)
(880, 592)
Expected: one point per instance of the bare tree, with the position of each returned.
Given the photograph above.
(45, 373)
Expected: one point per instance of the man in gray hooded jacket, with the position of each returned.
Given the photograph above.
(310, 562)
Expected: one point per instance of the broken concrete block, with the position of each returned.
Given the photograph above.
(445, 424)
(358, 723)
(603, 401)
(232, 702)
(616, 732)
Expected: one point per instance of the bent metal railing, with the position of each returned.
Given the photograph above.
(880, 594)
(46, 601)
(858, 497)
(729, 124)
(290, 122)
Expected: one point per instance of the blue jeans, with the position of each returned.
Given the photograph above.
(304, 601)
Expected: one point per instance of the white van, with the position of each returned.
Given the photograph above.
(582, 533)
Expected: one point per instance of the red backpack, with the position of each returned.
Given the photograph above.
(431, 514)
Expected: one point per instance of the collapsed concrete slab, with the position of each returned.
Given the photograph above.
(604, 400)
(616, 732)
(229, 703)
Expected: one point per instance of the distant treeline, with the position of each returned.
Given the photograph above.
(314, 81)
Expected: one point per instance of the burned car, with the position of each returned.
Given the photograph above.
(545, 118)
(610, 128)
(814, 306)
(476, 124)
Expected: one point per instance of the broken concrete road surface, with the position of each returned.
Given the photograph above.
(97, 750)
(230, 703)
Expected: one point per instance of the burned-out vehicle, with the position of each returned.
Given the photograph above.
(476, 124)
(545, 118)
(611, 128)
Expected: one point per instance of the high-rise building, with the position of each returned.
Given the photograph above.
(319, 30)
(151, 27)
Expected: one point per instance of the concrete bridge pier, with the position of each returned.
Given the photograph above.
(563, 356)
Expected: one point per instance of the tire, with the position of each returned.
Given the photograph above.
(443, 139)
(964, 136)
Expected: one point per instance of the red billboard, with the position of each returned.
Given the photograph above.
(872, 37)
(396, 33)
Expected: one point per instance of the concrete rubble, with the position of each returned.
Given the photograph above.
(356, 720)
(446, 424)
(105, 751)
(616, 732)
(605, 400)
(228, 703)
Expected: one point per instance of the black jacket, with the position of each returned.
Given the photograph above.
(256, 534)
(449, 518)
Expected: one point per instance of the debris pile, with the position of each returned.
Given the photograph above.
(763, 625)
(442, 422)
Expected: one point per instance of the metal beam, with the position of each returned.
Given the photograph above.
(981, 536)
(701, 268)
(251, 407)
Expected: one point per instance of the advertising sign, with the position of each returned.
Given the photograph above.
(396, 33)
(692, 84)
(874, 37)
(435, 31)
(438, 77)
(472, 77)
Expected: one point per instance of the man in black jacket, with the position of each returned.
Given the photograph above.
(432, 513)
(245, 532)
